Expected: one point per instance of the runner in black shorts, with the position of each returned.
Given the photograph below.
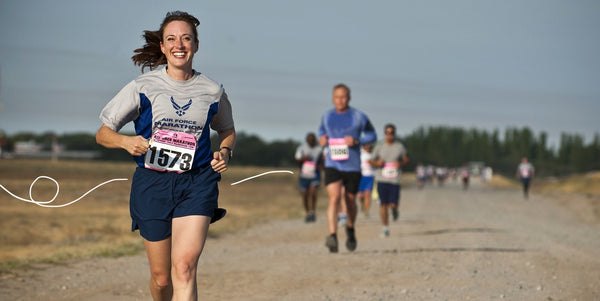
(343, 130)
(350, 180)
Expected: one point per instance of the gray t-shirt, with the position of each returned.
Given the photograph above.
(392, 157)
(154, 101)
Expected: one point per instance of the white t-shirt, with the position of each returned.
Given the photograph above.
(526, 170)
(310, 167)
(366, 168)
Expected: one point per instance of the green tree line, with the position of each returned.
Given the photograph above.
(454, 146)
(437, 145)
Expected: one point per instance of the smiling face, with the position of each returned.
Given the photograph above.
(179, 45)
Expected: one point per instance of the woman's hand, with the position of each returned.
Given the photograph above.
(135, 145)
(220, 161)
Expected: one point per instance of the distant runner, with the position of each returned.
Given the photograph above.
(421, 175)
(367, 180)
(465, 175)
(525, 172)
(310, 158)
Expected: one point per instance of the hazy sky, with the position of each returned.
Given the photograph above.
(484, 64)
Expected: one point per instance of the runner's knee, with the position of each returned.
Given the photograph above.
(162, 279)
(184, 271)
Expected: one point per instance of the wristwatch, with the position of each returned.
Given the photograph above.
(229, 149)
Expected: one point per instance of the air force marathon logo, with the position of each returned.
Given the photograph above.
(179, 124)
(180, 110)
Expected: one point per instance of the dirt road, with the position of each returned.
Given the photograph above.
(449, 244)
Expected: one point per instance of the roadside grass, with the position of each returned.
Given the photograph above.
(99, 224)
(578, 192)
(500, 181)
(586, 184)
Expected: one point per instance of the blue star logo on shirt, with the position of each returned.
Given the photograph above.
(180, 110)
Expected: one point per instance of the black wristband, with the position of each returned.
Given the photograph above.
(229, 149)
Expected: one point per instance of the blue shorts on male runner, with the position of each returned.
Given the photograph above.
(388, 193)
(158, 197)
(306, 183)
(366, 183)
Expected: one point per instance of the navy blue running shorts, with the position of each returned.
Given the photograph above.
(306, 183)
(158, 197)
(350, 179)
(388, 193)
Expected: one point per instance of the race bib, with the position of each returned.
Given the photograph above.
(309, 169)
(338, 150)
(171, 151)
(390, 170)
(525, 173)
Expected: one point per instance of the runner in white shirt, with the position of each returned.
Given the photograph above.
(525, 173)
(309, 157)
(365, 187)
(421, 175)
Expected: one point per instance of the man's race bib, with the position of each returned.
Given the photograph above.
(390, 170)
(171, 151)
(338, 149)
(525, 173)
(309, 170)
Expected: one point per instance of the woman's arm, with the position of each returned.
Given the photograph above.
(226, 146)
(135, 145)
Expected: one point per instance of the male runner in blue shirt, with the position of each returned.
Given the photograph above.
(343, 130)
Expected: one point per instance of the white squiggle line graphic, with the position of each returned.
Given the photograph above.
(262, 174)
(44, 204)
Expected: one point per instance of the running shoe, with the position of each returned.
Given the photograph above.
(385, 232)
(332, 243)
(351, 240)
(310, 217)
(342, 220)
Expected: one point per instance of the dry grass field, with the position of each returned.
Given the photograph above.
(579, 193)
(99, 224)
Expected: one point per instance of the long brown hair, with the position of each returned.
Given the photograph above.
(150, 55)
